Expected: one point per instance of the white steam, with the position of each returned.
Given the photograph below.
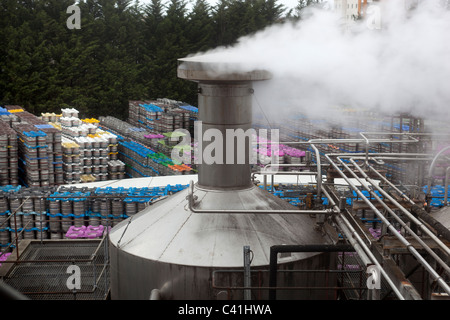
(317, 65)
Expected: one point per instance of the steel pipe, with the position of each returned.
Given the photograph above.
(243, 211)
(402, 239)
(447, 174)
(371, 257)
(155, 294)
(430, 172)
(360, 240)
(442, 230)
(319, 170)
(406, 212)
(402, 223)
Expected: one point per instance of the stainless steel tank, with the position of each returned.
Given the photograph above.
(190, 255)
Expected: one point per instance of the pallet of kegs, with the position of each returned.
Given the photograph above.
(33, 156)
(50, 117)
(133, 112)
(4, 222)
(71, 161)
(192, 111)
(8, 156)
(8, 117)
(116, 169)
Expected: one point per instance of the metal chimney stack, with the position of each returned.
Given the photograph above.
(224, 102)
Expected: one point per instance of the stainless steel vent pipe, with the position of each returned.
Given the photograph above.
(225, 110)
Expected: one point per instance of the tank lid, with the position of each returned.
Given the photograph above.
(214, 67)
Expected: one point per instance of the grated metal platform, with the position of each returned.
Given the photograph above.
(43, 273)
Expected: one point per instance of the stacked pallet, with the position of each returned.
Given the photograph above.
(133, 112)
(144, 114)
(34, 160)
(88, 149)
(71, 161)
(44, 213)
(142, 161)
(66, 209)
(124, 129)
(39, 147)
(93, 158)
(23, 214)
(50, 117)
(8, 156)
(116, 170)
(162, 115)
(8, 117)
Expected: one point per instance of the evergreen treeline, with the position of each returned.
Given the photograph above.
(123, 50)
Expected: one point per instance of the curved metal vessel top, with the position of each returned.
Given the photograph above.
(208, 68)
(168, 232)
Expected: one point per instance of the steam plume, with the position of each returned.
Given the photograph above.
(317, 64)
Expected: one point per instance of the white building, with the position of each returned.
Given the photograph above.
(351, 10)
